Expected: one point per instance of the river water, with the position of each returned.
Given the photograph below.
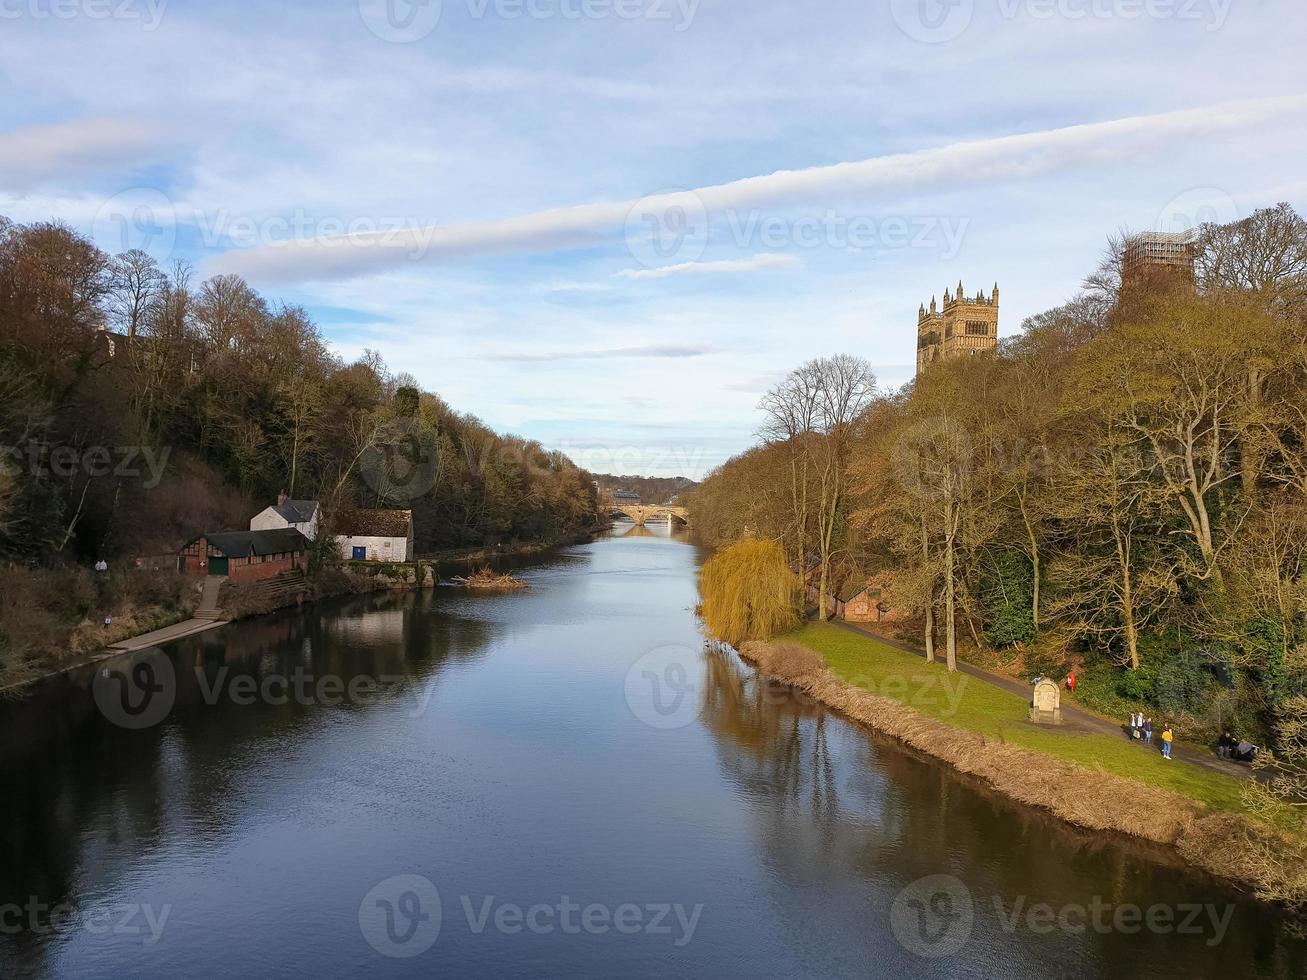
(559, 782)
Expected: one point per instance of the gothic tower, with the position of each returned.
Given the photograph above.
(964, 327)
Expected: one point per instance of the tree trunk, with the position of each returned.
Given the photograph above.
(1034, 563)
(950, 612)
(930, 595)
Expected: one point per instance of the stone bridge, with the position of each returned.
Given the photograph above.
(642, 514)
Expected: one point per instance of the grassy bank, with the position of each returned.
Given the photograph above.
(1091, 780)
(1000, 715)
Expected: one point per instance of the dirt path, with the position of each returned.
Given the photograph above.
(1073, 718)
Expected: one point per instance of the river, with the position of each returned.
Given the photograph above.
(558, 782)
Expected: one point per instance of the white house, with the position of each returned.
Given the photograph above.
(375, 535)
(303, 515)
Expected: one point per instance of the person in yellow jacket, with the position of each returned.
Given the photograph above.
(1167, 738)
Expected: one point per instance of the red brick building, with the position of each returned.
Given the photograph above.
(246, 556)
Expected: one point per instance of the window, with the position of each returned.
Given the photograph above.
(977, 328)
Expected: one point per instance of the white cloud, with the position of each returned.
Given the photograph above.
(647, 350)
(986, 160)
(36, 155)
(763, 260)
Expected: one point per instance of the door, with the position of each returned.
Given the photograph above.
(218, 566)
(360, 554)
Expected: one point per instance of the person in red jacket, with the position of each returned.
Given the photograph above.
(1071, 682)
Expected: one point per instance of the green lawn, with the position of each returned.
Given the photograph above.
(970, 703)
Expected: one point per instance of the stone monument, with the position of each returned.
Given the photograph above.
(1046, 703)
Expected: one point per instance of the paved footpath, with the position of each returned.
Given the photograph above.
(1073, 718)
(167, 634)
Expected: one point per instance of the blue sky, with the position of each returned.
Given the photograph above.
(611, 224)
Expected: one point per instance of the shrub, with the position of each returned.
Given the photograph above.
(1006, 593)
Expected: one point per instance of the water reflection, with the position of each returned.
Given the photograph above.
(856, 812)
(86, 799)
(506, 759)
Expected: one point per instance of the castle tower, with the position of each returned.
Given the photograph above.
(963, 327)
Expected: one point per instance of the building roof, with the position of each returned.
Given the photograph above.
(296, 511)
(626, 495)
(374, 523)
(241, 544)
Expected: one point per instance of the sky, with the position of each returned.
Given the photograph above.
(611, 225)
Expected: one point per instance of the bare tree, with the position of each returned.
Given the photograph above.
(135, 282)
(1265, 253)
(814, 410)
(228, 311)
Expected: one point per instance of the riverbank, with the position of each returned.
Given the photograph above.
(973, 727)
(91, 642)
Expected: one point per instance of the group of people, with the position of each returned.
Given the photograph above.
(1238, 749)
(1142, 728)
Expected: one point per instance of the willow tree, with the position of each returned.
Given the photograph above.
(749, 592)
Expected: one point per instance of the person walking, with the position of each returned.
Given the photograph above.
(1167, 737)
(1071, 682)
(1148, 731)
